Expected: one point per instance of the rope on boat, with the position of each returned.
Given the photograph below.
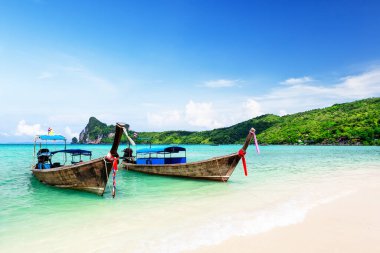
(114, 169)
(114, 161)
(242, 153)
(105, 164)
(256, 143)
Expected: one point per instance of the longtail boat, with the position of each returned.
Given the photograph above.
(89, 176)
(166, 162)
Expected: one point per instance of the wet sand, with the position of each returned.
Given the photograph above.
(348, 224)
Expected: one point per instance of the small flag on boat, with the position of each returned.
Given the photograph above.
(135, 134)
(50, 131)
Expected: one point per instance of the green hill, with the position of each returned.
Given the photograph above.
(227, 135)
(341, 124)
(350, 123)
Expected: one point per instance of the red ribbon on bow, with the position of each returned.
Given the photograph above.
(114, 161)
(114, 164)
(114, 169)
(242, 153)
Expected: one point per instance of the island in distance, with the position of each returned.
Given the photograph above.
(354, 123)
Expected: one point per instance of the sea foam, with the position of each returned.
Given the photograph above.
(223, 227)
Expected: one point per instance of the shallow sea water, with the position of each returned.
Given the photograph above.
(164, 214)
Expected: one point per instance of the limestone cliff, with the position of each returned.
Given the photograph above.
(96, 132)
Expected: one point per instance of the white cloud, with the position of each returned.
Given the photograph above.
(282, 112)
(4, 134)
(201, 115)
(205, 115)
(298, 98)
(360, 86)
(253, 108)
(297, 81)
(69, 119)
(70, 134)
(164, 119)
(30, 130)
(221, 83)
(98, 89)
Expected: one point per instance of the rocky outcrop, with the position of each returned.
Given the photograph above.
(95, 132)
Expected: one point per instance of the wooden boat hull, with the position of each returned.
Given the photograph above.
(91, 176)
(217, 168)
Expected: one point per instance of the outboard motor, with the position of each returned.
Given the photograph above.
(43, 156)
(128, 155)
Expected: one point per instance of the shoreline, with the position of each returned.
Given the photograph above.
(350, 223)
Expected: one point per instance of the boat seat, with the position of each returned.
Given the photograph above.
(42, 166)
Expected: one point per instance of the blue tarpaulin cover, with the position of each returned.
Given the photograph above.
(73, 152)
(51, 137)
(171, 149)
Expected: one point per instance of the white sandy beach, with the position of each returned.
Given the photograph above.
(348, 224)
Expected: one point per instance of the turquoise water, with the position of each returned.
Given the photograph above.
(164, 208)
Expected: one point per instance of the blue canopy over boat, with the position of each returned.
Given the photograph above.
(161, 150)
(73, 152)
(51, 137)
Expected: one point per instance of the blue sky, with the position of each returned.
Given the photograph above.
(168, 65)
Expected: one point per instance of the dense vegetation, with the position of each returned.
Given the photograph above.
(227, 135)
(350, 123)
